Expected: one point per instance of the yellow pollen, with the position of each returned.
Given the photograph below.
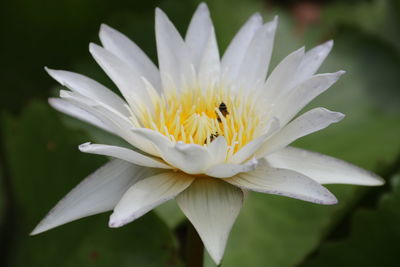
(199, 116)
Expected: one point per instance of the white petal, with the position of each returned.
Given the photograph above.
(117, 123)
(173, 56)
(218, 149)
(249, 149)
(322, 168)
(79, 113)
(236, 50)
(124, 154)
(130, 53)
(147, 194)
(289, 105)
(212, 207)
(120, 125)
(126, 78)
(190, 158)
(209, 71)
(283, 182)
(198, 33)
(281, 79)
(98, 193)
(312, 61)
(255, 63)
(89, 88)
(225, 170)
(310, 122)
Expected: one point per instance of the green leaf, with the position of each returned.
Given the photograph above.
(45, 164)
(2, 199)
(170, 213)
(374, 239)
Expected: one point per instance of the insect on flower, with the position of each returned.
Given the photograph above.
(204, 129)
(223, 110)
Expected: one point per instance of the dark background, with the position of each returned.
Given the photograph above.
(40, 162)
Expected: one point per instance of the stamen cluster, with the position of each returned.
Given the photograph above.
(198, 116)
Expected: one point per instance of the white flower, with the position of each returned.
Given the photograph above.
(202, 130)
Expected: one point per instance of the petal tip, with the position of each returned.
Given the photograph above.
(160, 14)
(217, 258)
(340, 116)
(375, 180)
(334, 115)
(104, 31)
(40, 228)
(104, 27)
(115, 222)
(53, 74)
(329, 198)
(379, 181)
(271, 26)
(84, 147)
(256, 17)
(114, 225)
(329, 43)
(93, 47)
(203, 6)
(332, 201)
(35, 231)
(51, 100)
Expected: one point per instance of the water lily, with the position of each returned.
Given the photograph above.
(203, 130)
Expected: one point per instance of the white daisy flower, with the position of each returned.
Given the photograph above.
(203, 130)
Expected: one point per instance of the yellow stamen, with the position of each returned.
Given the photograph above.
(194, 116)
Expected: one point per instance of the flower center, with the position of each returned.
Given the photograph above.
(199, 116)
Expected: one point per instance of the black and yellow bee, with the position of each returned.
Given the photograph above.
(223, 109)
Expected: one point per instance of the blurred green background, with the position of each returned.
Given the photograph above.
(40, 162)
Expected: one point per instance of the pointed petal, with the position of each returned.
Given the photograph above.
(89, 88)
(190, 158)
(225, 170)
(310, 122)
(280, 81)
(98, 193)
(322, 168)
(79, 113)
(173, 56)
(124, 154)
(285, 183)
(147, 194)
(126, 78)
(254, 67)
(121, 46)
(236, 50)
(312, 61)
(198, 33)
(209, 70)
(288, 106)
(212, 207)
